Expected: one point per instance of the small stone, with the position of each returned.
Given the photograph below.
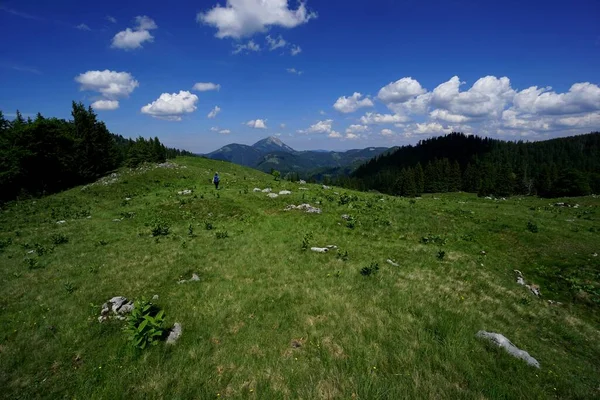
(267, 190)
(155, 297)
(174, 334)
(345, 216)
(61, 221)
(272, 195)
(285, 192)
(320, 249)
(302, 182)
(195, 277)
(391, 262)
(326, 187)
(256, 190)
(501, 341)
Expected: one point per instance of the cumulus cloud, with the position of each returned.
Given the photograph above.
(110, 84)
(131, 39)
(387, 132)
(352, 136)
(105, 105)
(172, 106)
(206, 86)
(581, 97)
(257, 123)
(213, 113)
(294, 71)
(242, 18)
(250, 46)
(445, 115)
(111, 19)
(295, 50)
(224, 131)
(83, 27)
(350, 104)
(357, 129)
(276, 43)
(322, 127)
(430, 128)
(376, 118)
(400, 91)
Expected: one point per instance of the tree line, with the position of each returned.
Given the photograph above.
(567, 166)
(46, 155)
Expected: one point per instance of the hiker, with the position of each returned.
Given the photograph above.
(216, 180)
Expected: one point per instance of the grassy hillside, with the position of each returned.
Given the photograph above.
(268, 320)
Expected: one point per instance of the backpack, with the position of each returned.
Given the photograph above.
(216, 179)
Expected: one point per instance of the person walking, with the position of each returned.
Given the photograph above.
(216, 180)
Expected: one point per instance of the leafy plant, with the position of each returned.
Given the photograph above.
(221, 234)
(208, 226)
(5, 243)
(160, 228)
(59, 238)
(370, 270)
(351, 222)
(441, 254)
(145, 324)
(434, 239)
(532, 227)
(69, 287)
(41, 250)
(306, 240)
(190, 230)
(342, 256)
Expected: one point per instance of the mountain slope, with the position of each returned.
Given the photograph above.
(272, 153)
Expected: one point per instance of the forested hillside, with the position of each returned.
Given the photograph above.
(559, 167)
(46, 155)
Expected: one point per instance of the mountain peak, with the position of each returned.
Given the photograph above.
(272, 144)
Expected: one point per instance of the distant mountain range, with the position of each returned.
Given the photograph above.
(272, 153)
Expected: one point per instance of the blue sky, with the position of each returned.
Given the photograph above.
(321, 74)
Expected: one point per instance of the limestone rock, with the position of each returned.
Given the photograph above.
(116, 307)
(272, 195)
(256, 190)
(267, 190)
(391, 262)
(175, 333)
(285, 192)
(501, 341)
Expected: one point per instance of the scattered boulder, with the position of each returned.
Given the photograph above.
(303, 188)
(155, 297)
(304, 207)
(184, 192)
(116, 307)
(345, 217)
(324, 249)
(267, 190)
(535, 289)
(302, 182)
(256, 190)
(391, 262)
(326, 187)
(501, 341)
(272, 195)
(285, 192)
(175, 333)
(61, 222)
(192, 279)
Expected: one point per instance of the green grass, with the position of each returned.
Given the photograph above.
(270, 320)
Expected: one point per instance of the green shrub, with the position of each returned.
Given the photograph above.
(371, 269)
(145, 324)
(434, 239)
(306, 240)
(342, 256)
(351, 222)
(441, 254)
(532, 227)
(59, 238)
(221, 234)
(160, 228)
(208, 226)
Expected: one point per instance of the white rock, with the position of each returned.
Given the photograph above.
(389, 261)
(302, 182)
(320, 249)
(186, 191)
(520, 280)
(273, 195)
(175, 333)
(155, 297)
(285, 192)
(127, 198)
(256, 190)
(195, 277)
(326, 187)
(501, 341)
(267, 190)
(61, 222)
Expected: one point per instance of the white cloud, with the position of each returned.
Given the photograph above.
(111, 19)
(282, 126)
(430, 128)
(322, 112)
(213, 113)
(295, 50)
(83, 27)
(224, 131)
(250, 46)
(357, 129)
(445, 115)
(257, 124)
(242, 18)
(323, 127)
(214, 129)
(581, 97)
(376, 118)
(105, 105)
(206, 86)
(172, 106)
(131, 39)
(275, 43)
(110, 84)
(294, 71)
(487, 98)
(352, 136)
(400, 91)
(350, 104)
(387, 132)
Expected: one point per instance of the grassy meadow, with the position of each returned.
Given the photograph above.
(269, 320)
